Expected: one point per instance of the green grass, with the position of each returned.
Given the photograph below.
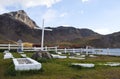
(61, 69)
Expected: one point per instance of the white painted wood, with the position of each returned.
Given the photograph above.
(26, 64)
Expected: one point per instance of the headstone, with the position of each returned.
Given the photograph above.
(20, 46)
(7, 55)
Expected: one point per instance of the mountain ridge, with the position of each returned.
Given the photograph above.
(18, 25)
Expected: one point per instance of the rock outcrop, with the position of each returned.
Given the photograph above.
(22, 16)
(41, 54)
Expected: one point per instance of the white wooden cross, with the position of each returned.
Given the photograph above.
(42, 40)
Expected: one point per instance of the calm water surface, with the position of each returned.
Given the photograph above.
(115, 52)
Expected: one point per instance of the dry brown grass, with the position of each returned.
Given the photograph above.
(26, 44)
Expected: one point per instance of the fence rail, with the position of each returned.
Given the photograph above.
(65, 50)
(15, 46)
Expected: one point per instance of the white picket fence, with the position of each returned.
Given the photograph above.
(13, 46)
(65, 50)
(8, 46)
(16, 46)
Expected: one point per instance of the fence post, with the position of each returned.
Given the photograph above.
(56, 49)
(80, 50)
(92, 50)
(22, 47)
(73, 50)
(86, 50)
(108, 52)
(46, 48)
(8, 46)
(65, 50)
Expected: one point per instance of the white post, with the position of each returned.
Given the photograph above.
(86, 50)
(73, 50)
(92, 50)
(81, 51)
(108, 51)
(56, 49)
(22, 46)
(42, 41)
(95, 52)
(65, 50)
(8, 46)
(46, 48)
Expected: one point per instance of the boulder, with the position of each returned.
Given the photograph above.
(41, 54)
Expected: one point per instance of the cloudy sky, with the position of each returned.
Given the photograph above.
(102, 16)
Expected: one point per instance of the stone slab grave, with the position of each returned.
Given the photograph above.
(93, 56)
(79, 58)
(7, 54)
(59, 53)
(58, 56)
(87, 65)
(23, 55)
(112, 64)
(26, 64)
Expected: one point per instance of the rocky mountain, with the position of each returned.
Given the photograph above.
(18, 25)
(12, 29)
(22, 16)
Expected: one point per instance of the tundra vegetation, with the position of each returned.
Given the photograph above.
(61, 68)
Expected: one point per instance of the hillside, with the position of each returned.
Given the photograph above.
(12, 29)
(103, 41)
(18, 25)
